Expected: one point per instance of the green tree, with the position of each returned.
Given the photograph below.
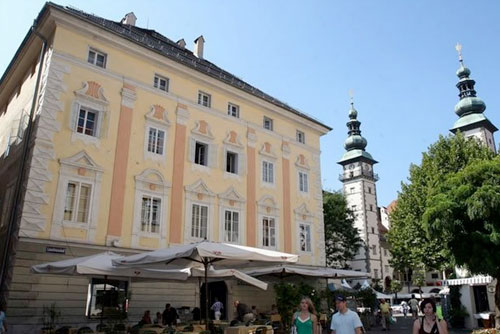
(395, 287)
(419, 278)
(411, 246)
(342, 239)
(464, 212)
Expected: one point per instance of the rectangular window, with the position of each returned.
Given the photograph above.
(232, 162)
(268, 123)
(434, 276)
(373, 230)
(97, 58)
(301, 137)
(199, 221)
(371, 207)
(375, 273)
(150, 214)
(231, 226)
(106, 293)
(201, 154)
(77, 206)
(87, 122)
(267, 172)
(204, 99)
(374, 250)
(303, 182)
(369, 190)
(233, 110)
(268, 232)
(351, 190)
(305, 237)
(161, 83)
(156, 139)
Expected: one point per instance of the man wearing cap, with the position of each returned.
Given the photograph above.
(345, 321)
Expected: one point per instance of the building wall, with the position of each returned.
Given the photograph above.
(361, 196)
(119, 169)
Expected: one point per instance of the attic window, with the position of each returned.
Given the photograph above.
(97, 58)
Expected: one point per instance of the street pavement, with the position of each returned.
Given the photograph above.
(404, 326)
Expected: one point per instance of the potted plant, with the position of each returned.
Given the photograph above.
(50, 318)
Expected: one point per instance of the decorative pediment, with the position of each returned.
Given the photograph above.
(199, 187)
(152, 176)
(233, 139)
(92, 90)
(231, 195)
(203, 129)
(81, 160)
(302, 162)
(267, 201)
(267, 150)
(268, 206)
(303, 212)
(157, 114)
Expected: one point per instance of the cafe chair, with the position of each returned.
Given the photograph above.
(261, 330)
(85, 330)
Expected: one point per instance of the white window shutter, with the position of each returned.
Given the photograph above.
(74, 116)
(242, 164)
(212, 155)
(192, 148)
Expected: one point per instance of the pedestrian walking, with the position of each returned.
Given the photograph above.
(217, 307)
(413, 302)
(429, 323)
(345, 321)
(405, 307)
(385, 312)
(306, 321)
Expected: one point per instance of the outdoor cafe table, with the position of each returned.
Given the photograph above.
(247, 329)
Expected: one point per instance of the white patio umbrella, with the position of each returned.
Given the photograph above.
(313, 271)
(202, 255)
(101, 264)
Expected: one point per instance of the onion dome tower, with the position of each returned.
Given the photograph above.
(470, 108)
(360, 191)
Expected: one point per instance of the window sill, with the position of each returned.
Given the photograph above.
(154, 235)
(233, 176)
(85, 138)
(268, 185)
(201, 168)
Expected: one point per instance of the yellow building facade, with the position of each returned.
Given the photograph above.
(141, 144)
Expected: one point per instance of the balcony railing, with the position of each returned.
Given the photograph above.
(370, 175)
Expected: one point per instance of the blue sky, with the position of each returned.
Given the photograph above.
(398, 57)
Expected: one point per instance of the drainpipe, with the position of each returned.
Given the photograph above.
(17, 199)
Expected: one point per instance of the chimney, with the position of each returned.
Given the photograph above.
(198, 47)
(181, 43)
(129, 19)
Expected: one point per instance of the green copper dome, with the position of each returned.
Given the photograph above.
(355, 142)
(470, 105)
(463, 72)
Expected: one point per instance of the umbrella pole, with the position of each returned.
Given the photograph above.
(104, 297)
(205, 264)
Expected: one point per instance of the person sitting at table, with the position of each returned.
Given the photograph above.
(169, 316)
(244, 313)
(274, 309)
(158, 320)
(146, 318)
(254, 311)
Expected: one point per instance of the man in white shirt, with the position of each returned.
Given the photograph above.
(345, 321)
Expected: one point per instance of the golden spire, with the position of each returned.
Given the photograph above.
(458, 47)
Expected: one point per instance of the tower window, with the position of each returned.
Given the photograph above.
(369, 190)
(268, 123)
(301, 137)
(204, 99)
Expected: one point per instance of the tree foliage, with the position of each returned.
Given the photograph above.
(465, 213)
(411, 246)
(342, 239)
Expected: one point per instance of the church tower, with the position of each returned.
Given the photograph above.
(470, 108)
(361, 194)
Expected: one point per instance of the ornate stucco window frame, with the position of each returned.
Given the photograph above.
(156, 118)
(268, 207)
(198, 193)
(233, 201)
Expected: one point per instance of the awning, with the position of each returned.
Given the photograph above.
(313, 271)
(474, 280)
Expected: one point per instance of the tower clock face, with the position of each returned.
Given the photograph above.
(351, 166)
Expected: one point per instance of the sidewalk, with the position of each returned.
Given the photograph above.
(405, 326)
